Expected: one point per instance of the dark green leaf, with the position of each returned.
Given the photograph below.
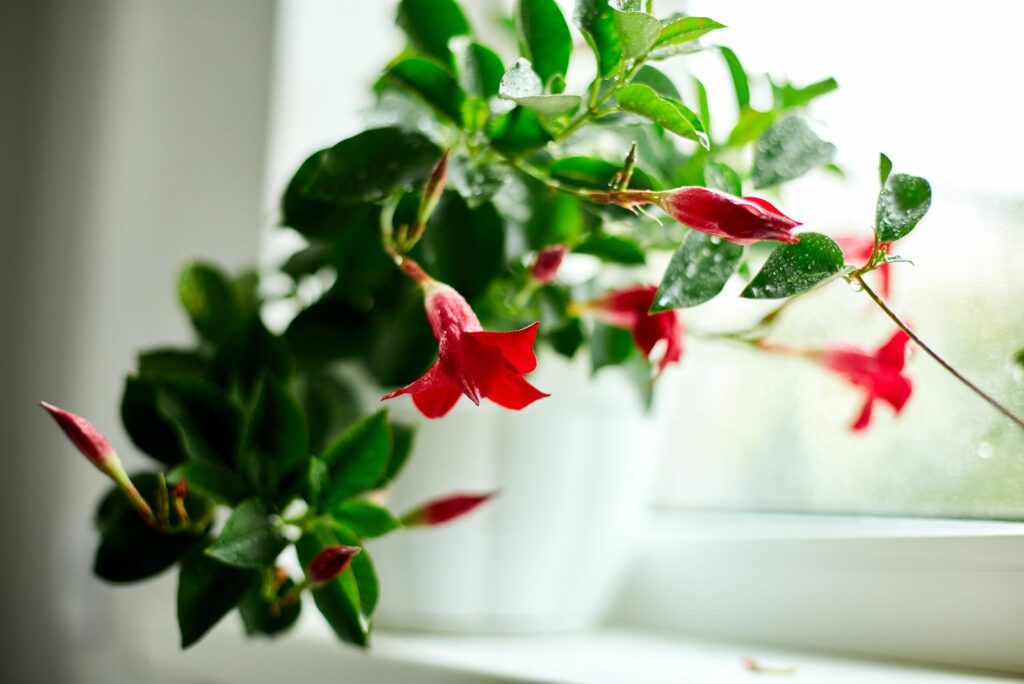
(276, 440)
(401, 449)
(723, 177)
(318, 479)
(591, 172)
(609, 346)
(739, 77)
(595, 20)
(431, 24)
(1018, 358)
(478, 183)
(903, 202)
(517, 132)
(431, 83)
(369, 166)
(210, 479)
(358, 458)
(261, 617)
(567, 338)
(249, 352)
(479, 68)
(684, 30)
(251, 538)
(316, 218)
(884, 169)
(638, 32)
(656, 81)
(698, 271)
(455, 230)
(795, 268)
(207, 591)
(364, 518)
(403, 344)
(329, 404)
(666, 112)
(208, 298)
(340, 600)
(175, 363)
(543, 37)
(327, 331)
(555, 218)
(788, 96)
(788, 150)
(612, 248)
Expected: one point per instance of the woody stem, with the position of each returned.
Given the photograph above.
(932, 353)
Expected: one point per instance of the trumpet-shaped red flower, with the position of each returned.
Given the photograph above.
(859, 249)
(444, 509)
(470, 360)
(330, 563)
(879, 374)
(547, 262)
(743, 220)
(630, 308)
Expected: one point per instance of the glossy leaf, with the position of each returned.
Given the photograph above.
(329, 330)
(260, 617)
(698, 271)
(365, 518)
(357, 458)
(723, 177)
(638, 32)
(248, 353)
(454, 231)
(339, 600)
(613, 249)
(402, 437)
(596, 21)
(524, 86)
(591, 172)
(739, 77)
(210, 479)
(656, 81)
(543, 37)
(431, 24)
(684, 30)
(208, 299)
(251, 538)
(884, 169)
(477, 182)
(788, 150)
(673, 115)
(609, 346)
(431, 83)
(329, 404)
(795, 268)
(517, 132)
(207, 591)
(903, 202)
(479, 68)
(369, 166)
(276, 440)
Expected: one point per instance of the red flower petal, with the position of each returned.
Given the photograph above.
(516, 346)
(438, 401)
(893, 354)
(513, 391)
(865, 415)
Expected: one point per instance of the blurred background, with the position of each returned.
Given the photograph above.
(139, 133)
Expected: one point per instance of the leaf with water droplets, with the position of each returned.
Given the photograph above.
(884, 169)
(698, 271)
(544, 37)
(431, 83)
(523, 85)
(788, 150)
(903, 202)
(595, 21)
(638, 32)
(664, 111)
(795, 268)
(679, 31)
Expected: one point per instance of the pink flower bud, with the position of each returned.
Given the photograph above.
(743, 220)
(546, 264)
(330, 563)
(86, 438)
(444, 509)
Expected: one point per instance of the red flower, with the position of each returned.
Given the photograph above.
(547, 262)
(470, 360)
(879, 373)
(330, 563)
(859, 249)
(630, 308)
(445, 509)
(743, 220)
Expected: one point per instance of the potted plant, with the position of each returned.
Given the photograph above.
(504, 218)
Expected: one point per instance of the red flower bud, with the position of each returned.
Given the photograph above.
(878, 373)
(858, 250)
(547, 262)
(181, 490)
(630, 308)
(433, 189)
(743, 220)
(470, 360)
(444, 509)
(330, 563)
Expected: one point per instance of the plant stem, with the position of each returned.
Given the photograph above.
(931, 352)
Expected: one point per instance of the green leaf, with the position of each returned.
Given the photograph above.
(210, 479)
(129, 549)
(671, 114)
(723, 177)
(276, 440)
(596, 21)
(431, 24)
(750, 126)
(358, 458)
(555, 218)
(477, 182)
(543, 37)
(613, 249)
(591, 172)
(788, 96)
(249, 352)
(365, 519)
(656, 81)
(567, 338)
(705, 109)
(251, 537)
(258, 615)
(401, 449)
(788, 150)
(523, 85)
(207, 591)
(160, 364)
(479, 69)
(455, 230)
(684, 30)
(517, 132)
(327, 331)
(329, 404)
(340, 601)
(208, 298)
(609, 346)
(368, 167)
(903, 202)
(431, 83)
(1018, 358)
(698, 271)
(638, 32)
(739, 77)
(795, 268)
(884, 169)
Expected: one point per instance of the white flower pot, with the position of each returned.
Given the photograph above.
(544, 554)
